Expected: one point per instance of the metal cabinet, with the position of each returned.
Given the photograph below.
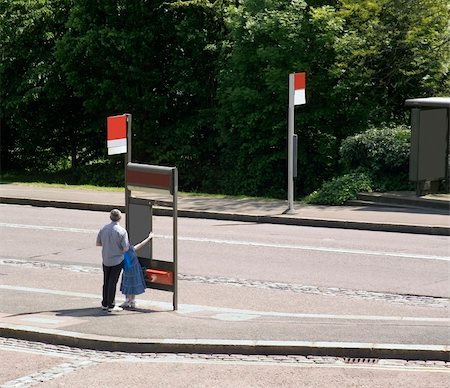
(429, 154)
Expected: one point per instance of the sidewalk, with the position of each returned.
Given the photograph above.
(60, 313)
(75, 319)
(393, 212)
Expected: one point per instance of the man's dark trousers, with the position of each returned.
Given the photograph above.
(110, 279)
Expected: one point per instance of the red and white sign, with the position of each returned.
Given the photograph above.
(117, 134)
(299, 88)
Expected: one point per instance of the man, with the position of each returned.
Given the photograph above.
(114, 242)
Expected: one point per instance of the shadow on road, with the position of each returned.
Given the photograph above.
(98, 312)
(86, 312)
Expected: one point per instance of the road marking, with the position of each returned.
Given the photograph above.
(50, 228)
(318, 249)
(246, 243)
(417, 300)
(190, 309)
(42, 320)
(234, 317)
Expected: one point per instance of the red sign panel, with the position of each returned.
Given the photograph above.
(148, 179)
(159, 276)
(117, 127)
(299, 81)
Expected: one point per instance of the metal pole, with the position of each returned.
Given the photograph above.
(127, 160)
(175, 239)
(290, 208)
(447, 165)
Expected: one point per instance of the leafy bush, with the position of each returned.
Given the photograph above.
(341, 189)
(382, 153)
(377, 149)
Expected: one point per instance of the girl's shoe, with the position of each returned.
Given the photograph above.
(115, 308)
(125, 304)
(132, 305)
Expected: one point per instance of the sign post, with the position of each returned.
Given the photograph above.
(159, 274)
(160, 180)
(297, 87)
(119, 142)
(128, 160)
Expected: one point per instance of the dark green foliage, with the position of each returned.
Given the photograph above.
(107, 173)
(252, 94)
(103, 173)
(158, 61)
(206, 83)
(377, 149)
(383, 153)
(384, 52)
(376, 159)
(341, 189)
(40, 121)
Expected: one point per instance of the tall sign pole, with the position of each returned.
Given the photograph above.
(297, 87)
(119, 142)
(128, 160)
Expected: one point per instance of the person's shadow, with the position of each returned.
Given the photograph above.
(88, 312)
(98, 312)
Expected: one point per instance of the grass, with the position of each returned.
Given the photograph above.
(223, 196)
(63, 185)
(57, 180)
(54, 180)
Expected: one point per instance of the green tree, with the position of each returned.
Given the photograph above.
(188, 138)
(156, 60)
(108, 57)
(385, 51)
(207, 81)
(39, 113)
(267, 40)
(368, 57)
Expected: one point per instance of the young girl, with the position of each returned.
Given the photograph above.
(133, 282)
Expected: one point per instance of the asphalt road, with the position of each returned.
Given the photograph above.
(290, 277)
(352, 283)
(358, 260)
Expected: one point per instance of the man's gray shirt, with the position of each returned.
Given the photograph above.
(114, 241)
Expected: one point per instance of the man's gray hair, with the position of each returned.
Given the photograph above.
(115, 215)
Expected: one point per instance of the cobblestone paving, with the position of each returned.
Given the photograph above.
(49, 374)
(416, 300)
(91, 357)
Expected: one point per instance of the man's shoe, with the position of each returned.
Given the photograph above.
(104, 308)
(115, 308)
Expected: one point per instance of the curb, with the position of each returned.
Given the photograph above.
(60, 204)
(246, 347)
(285, 220)
(402, 202)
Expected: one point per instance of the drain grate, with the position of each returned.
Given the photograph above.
(358, 360)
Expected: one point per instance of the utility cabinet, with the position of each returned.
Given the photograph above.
(429, 153)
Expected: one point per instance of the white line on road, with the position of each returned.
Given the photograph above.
(50, 228)
(247, 243)
(190, 309)
(320, 249)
